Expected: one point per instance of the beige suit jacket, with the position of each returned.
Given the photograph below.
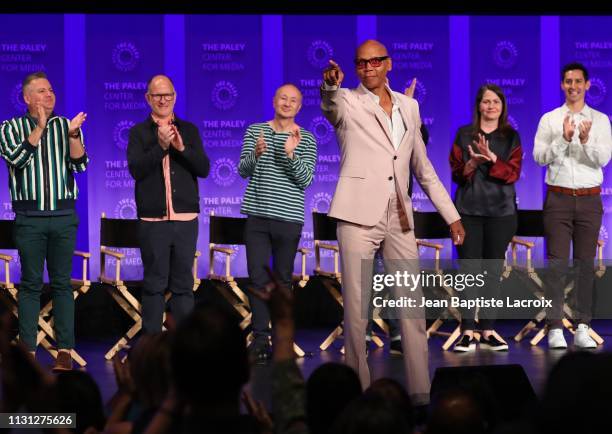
(369, 159)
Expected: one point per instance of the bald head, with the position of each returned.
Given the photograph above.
(161, 96)
(369, 46)
(159, 80)
(287, 102)
(288, 88)
(372, 65)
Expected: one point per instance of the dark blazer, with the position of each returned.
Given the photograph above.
(145, 157)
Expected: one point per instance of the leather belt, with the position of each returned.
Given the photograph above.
(591, 191)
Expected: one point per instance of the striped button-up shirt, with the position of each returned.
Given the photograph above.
(41, 177)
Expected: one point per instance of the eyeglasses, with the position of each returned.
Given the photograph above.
(158, 96)
(374, 62)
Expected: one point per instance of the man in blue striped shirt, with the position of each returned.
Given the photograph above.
(43, 151)
(279, 158)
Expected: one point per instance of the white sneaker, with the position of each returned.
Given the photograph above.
(556, 340)
(582, 339)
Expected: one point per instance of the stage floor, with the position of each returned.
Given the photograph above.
(536, 361)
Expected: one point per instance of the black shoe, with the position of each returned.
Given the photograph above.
(465, 344)
(421, 414)
(260, 354)
(396, 348)
(493, 344)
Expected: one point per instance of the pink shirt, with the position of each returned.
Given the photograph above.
(170, 213)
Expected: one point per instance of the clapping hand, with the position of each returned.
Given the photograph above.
(583, 131)
(292, 142)
(569, 127)
(165, 135)
(483, 148)
(260, 145)
(177, 141)
(76, 123)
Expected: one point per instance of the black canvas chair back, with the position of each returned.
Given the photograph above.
(430, 225)
(120, 233)
(530, 223)
(227, 230)
(324, 227)
(6, 235)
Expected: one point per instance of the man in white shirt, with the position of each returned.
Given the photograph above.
(574, 142)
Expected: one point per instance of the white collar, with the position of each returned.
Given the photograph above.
(586, 111)
(376, 98)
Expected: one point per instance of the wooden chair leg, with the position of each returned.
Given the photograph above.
(498, 337)
(132, 308)
(239, 292)
(568, 325)
(378, 341)
(538, 337)
(46, 344)
(531, 325)
(596, 337)
(452, 338)
(433, 328)
(246, 321)
(119, 345)
(298, 351)
(332, 337)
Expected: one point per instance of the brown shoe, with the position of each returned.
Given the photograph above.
(63, 362)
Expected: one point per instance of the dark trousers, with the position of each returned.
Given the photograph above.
(267, 238)
(52, 239)
(484, 250)
(167, 249)
(571, 220)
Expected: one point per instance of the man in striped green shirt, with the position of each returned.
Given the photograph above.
(43, 151)
(279, 158)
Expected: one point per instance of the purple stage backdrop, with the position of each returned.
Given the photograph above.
(224, 76)
(119, 63)
(226, 69)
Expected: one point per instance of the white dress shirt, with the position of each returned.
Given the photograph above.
(395, 122)
(572, 164)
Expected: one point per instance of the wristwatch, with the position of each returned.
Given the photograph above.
(75, 135)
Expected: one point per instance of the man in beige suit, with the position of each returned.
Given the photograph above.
(380, 143)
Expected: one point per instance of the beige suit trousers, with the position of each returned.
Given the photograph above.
(397, 241)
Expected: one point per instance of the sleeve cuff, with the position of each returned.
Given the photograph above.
(81, 160)
(28, 146)
(160, 152)
(251, 159)
(328, 88)
(558, 147)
